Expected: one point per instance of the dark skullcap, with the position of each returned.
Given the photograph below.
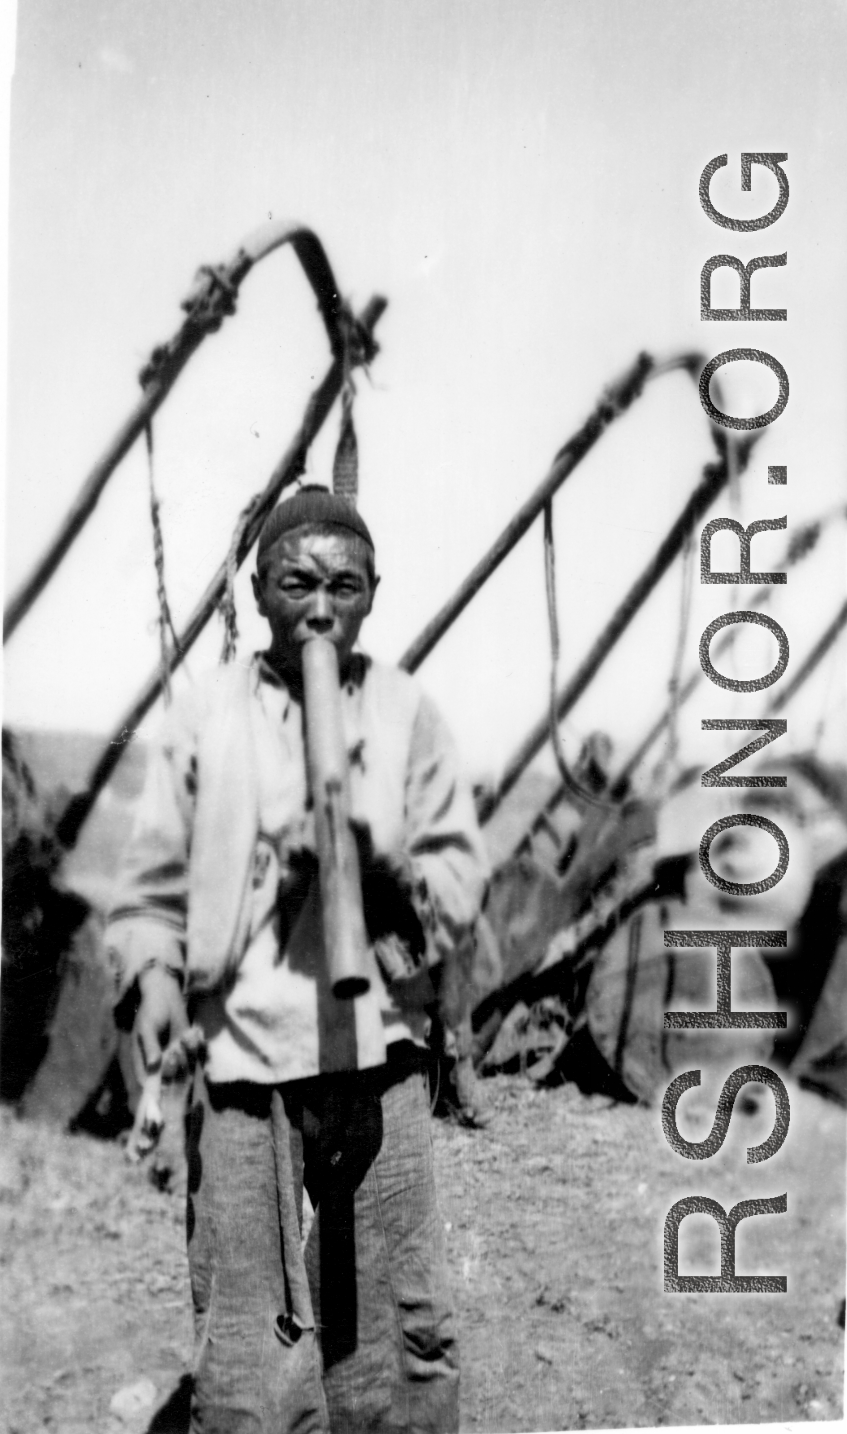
(311, 505)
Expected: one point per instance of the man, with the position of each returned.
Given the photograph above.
(222, 911)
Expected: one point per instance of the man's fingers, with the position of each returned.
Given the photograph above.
(161, 1018)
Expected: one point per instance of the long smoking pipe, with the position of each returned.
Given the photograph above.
(342, 914)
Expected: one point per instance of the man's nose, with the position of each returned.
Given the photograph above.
(321, 615)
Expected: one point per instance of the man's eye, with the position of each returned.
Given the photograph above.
(294, 590)
(347, 589)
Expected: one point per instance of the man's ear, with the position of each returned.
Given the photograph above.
(374, 585)
(257, 593)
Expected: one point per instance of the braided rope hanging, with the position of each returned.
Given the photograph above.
(164, 620)
(345, 466)
(226, 606)
(345, 479)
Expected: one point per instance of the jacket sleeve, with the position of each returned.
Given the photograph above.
(147, 923)
(448, 866)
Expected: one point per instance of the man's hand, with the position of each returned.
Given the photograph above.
(159, 1020)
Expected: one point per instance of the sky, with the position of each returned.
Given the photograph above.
(520, 179)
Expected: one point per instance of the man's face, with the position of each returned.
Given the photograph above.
(314, 584)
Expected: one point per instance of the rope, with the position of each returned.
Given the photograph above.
(164, 621)
(433, 1101)
(345, 467)
(345, 474)
(569, 780)
(226, 606)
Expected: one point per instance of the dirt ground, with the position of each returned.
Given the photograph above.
(554, 1219)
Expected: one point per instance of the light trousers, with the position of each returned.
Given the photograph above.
(356, 1333)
